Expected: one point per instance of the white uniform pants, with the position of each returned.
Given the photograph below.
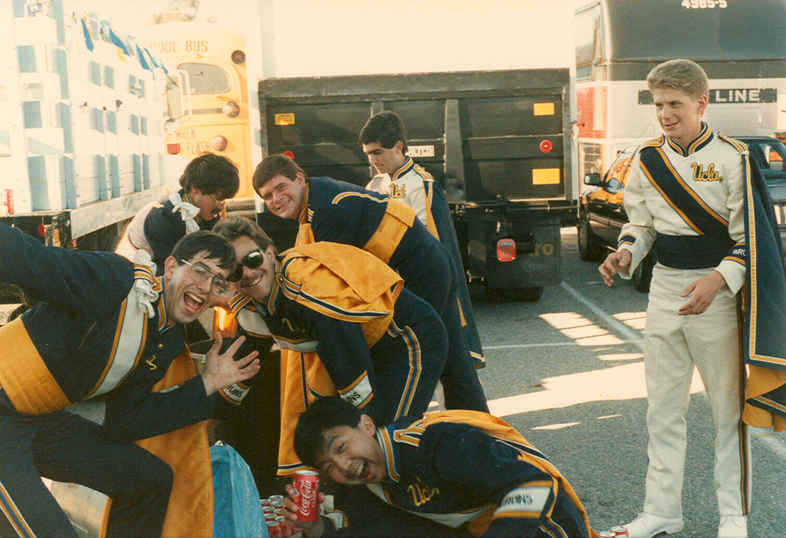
(673, 345)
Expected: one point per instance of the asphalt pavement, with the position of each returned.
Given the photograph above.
(568, 373)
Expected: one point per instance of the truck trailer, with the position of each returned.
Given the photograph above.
(82, 145)
(498, 142)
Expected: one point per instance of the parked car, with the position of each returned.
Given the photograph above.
(602, 209)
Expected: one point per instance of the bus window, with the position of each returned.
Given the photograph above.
(206, 78)
(588, 43)
(214, 59)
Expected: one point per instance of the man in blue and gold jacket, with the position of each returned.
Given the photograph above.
(468, 471)
(378, 346)
(107, 326)
(339, 212)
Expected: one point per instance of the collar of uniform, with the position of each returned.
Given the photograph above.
(390, 452)
(269, 308)
(163, 315)
(404, 168)
(186, 198)
(305, 213)
(704, 138)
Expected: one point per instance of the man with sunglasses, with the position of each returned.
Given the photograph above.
(107, 327)
(380, 347)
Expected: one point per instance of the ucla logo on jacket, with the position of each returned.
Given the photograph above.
(710, 175)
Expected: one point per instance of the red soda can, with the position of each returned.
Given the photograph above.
(286, 530)
(306, 492)
(273, 529)
(606, 534)
(264, 502)
(620, 532)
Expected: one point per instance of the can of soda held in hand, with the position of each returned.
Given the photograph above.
(306, 485)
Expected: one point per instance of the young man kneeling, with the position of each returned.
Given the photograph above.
(467, 470)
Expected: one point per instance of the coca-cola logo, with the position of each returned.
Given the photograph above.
(305, 497)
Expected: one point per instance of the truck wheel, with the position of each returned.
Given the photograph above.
(642, 275)
(589, 249)
(529, 295)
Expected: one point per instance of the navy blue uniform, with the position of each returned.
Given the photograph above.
(380, 347)
(473, 472)
(102, 330)
(343, 213)
(160, 225)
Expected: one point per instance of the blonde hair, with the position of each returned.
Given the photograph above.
(683, 75)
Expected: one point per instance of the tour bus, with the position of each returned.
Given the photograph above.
(210, 60)
(740, 44)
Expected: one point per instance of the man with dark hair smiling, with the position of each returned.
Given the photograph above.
(379, 346)
(339, 212)
(467, 470)
(209, 182)
(108, 327)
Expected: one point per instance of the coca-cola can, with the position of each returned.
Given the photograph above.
(286, 530)
(274, 498)
(606, 534)
(306, 492)
(264, 502)
(620, 532)
(274, 529)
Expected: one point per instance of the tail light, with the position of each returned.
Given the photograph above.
(7, 202)
(506, 250)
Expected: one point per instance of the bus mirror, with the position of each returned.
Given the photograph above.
(178, 96)
(174, 99)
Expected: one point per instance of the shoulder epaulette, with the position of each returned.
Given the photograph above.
(739, 146)
(145, 272)
(654, 143)
(240, 301)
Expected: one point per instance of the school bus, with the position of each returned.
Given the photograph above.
(211, 60)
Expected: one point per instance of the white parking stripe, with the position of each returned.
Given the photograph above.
(620, 328)
(776, 446)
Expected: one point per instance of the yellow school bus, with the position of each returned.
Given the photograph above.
(210, 61)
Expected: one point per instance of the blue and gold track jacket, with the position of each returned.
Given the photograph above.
(474, 471)
(102, 329)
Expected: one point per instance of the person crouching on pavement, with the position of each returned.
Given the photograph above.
(469, 471)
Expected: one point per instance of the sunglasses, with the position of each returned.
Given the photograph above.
(252, 260)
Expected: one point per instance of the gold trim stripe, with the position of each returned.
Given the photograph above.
(24, 375)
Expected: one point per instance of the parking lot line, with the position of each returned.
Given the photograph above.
(628, 334)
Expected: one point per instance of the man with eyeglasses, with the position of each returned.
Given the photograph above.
(107, 327)
(380, 347)
(209, 183)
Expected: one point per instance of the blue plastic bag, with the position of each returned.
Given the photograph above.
(236, 509)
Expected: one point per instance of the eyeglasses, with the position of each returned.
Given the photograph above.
(224, 201)
(199, 273)
(252, 260)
